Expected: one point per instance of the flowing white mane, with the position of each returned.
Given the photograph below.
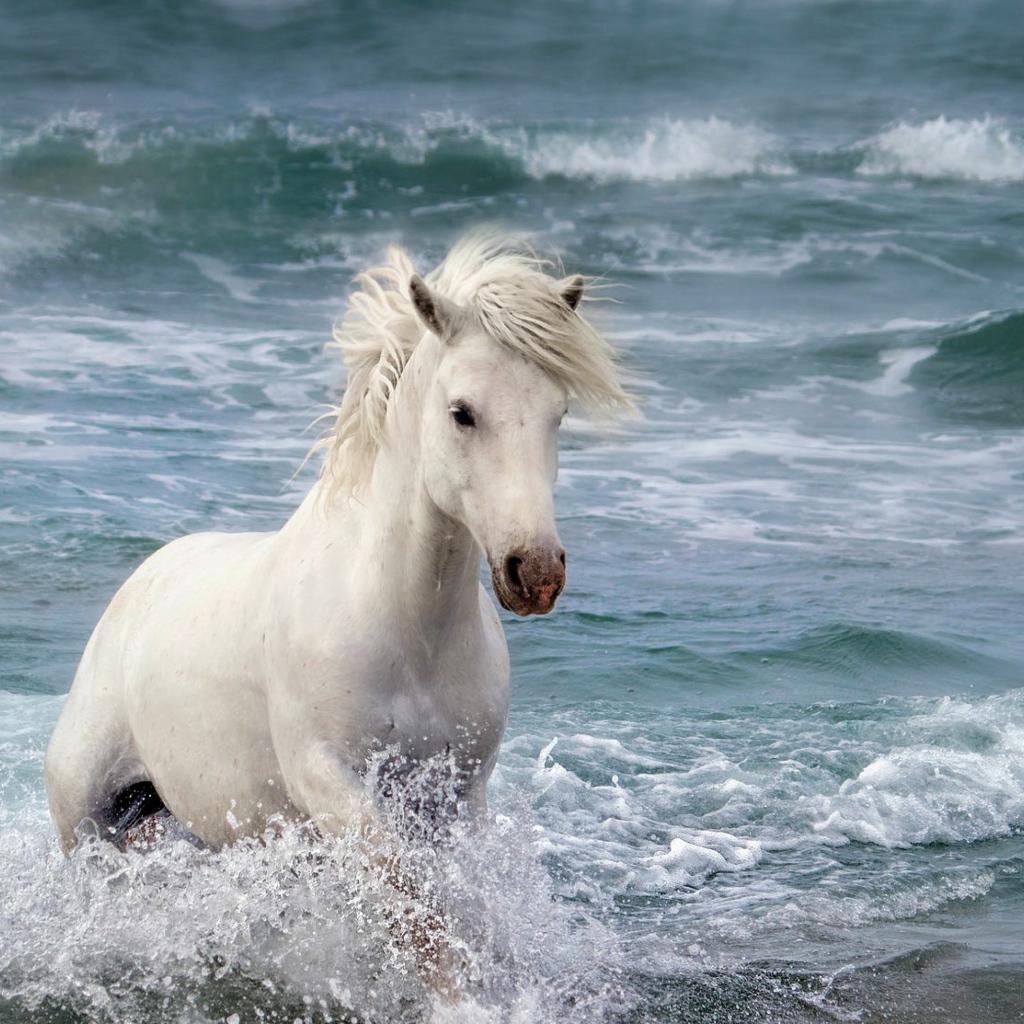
(501, 283)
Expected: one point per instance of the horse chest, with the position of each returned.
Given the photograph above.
(424, 725)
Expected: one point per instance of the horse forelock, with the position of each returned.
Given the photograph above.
(506, 289)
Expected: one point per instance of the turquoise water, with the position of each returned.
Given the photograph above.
(766, 760)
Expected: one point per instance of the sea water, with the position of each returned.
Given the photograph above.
(766, 759)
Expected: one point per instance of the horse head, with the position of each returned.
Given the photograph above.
(490, 445)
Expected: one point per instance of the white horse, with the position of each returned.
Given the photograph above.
(236, 679)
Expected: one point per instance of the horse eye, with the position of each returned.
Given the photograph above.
(463, 415)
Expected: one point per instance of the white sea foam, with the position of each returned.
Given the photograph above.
(602, 832)
(985, 149)
(664, 149)
(110, 141)
(110, 352)
(732, 836)
(693, 858)
(963, 782)
(658, 250)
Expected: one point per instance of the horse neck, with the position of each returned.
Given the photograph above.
(412, 562)
(429, 564)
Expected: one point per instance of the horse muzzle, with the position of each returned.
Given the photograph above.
(527, 581)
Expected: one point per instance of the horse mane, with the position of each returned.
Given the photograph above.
(505, 286)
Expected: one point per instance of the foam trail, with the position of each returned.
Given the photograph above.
(899, 365)
(239, 288)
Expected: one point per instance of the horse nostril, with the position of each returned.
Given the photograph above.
(561, 558)
(512, 566)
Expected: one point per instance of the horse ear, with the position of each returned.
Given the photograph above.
(572, 291)
(440, 315)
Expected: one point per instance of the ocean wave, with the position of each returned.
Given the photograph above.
(709, 478)
(985, 149)
(663, 149)
(719, 485)
(657, 149)
(851, 651)
(291, 183)
(282, 188)
(977, 373)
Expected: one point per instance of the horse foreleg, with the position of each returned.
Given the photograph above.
(420, 928)
(333, 796)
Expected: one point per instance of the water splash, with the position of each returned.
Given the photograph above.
(279, 928)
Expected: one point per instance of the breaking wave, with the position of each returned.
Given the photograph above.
(985, 149)
(663, 150)
(977, 374)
